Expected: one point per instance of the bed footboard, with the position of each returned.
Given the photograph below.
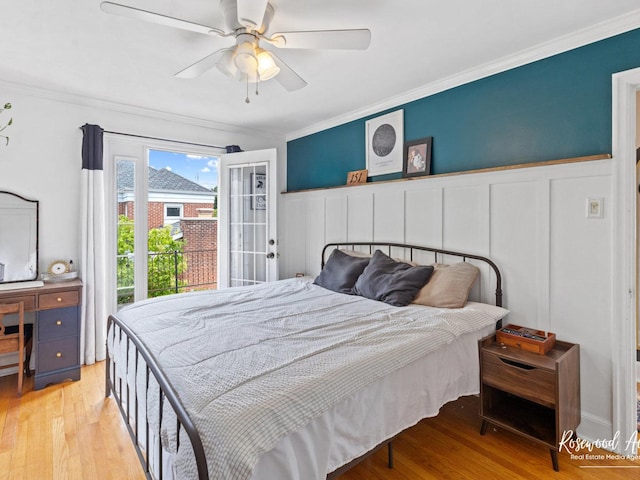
(128, 398)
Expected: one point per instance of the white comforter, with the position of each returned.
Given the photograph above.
(253, 364)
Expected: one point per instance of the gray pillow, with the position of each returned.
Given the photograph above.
(395, 283)
(341, 272)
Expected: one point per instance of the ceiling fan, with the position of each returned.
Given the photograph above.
(247, 21)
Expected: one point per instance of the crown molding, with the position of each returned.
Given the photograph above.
(84, 101)
(565, 43)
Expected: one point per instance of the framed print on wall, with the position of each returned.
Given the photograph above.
(417, 157)
(385, 135)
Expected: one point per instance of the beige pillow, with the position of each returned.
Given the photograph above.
(448, 286)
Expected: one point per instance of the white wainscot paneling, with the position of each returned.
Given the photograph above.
(423, 217)
(293, 246)
(580, 283)
(515, 248)
(360, 217)
(336, 218)
(315, 228)
(388, 216)
(464, 218)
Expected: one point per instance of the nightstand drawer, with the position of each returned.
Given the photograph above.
(533, 383)
(58, 354)
(58, 322)
(60, 299)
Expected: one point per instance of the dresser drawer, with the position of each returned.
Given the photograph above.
(533, 383)
(28, 300)
(58, 354)
(57, 300)
(58, 322)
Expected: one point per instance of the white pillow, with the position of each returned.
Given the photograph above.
(496, 312)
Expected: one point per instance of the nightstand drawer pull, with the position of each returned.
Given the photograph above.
(515, 364)
(58, 322)
(59, 354)
(59, 299)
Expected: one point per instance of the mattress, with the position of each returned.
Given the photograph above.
(300, 373)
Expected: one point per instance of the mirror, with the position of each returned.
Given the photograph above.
(18, 238)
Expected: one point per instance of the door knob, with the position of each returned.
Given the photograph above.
(271, 255)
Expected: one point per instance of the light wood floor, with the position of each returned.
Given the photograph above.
(70, 431)
(64, 432)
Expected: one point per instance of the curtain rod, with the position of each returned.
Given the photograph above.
(163, 139)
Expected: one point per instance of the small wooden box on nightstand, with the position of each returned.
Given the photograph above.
(536, 396)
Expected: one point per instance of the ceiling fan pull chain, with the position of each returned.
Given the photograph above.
(257, 82)
(246, 100)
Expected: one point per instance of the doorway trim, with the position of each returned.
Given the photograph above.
(624, 288)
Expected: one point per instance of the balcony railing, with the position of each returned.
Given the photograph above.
(168, 273)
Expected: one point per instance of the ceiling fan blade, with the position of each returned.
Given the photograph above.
(138, 14)
(289, 79)
(358, 39)
(201, 66)
(251, 13)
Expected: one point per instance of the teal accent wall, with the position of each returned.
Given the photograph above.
(558, 107)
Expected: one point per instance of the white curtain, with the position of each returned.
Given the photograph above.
(93, 331)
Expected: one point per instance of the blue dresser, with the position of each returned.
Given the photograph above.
(57, 330)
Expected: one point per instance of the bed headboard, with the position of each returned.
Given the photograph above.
(408, 252)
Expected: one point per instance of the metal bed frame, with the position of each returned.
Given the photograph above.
(128, 401)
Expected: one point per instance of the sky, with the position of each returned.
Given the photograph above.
(197, 168)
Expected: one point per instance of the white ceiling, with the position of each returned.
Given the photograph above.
(73, 47)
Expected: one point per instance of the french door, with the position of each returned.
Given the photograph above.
(247, 241)
(135, 210)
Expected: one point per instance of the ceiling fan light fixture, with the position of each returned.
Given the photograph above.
(267, 67)
(227, 65)
(245, 58)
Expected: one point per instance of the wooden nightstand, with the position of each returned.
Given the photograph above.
(537, 396)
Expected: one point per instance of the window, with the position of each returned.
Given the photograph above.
(172, 211)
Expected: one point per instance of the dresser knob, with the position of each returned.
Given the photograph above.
(59, 299)
(59, 354)
(58, 322)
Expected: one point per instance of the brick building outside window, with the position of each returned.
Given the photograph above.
(187, 209)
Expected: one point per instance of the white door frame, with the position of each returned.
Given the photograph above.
(262, 157)
(623, 315)
(135, 149)
(119, 148)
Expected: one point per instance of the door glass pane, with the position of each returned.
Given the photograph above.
(261, 238)
(248, 225)
(248, 238)
(261, 269)
(260, 194)
(235, 181)
(125, 259)
(236, 237)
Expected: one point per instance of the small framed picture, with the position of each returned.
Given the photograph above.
(258, 191)
(417, 157)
